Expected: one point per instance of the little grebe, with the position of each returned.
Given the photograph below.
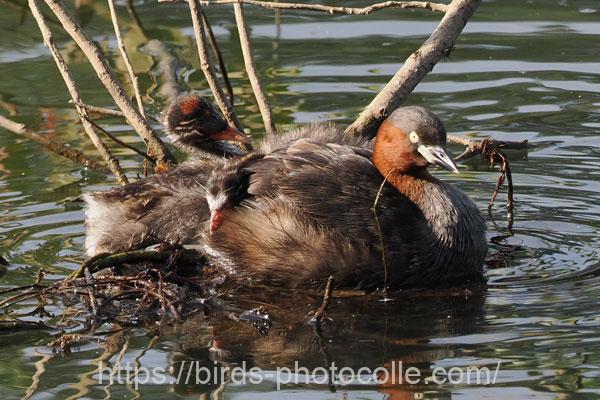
(171, 207)
(304, 211)
(166, 207)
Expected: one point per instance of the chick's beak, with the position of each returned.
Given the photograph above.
(231, 134)
(216, 219)
(436, 155)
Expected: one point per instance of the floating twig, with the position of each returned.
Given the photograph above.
(107, 260)
(18, 325)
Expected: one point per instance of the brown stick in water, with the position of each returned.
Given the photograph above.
(55, 147)
(321, 313)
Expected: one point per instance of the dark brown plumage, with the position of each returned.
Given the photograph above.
(171, 207)
(167, 207)
(307, 213)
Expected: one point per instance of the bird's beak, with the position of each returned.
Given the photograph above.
(436, 155)
(231, 134)
(216, 219)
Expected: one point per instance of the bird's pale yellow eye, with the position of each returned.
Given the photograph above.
(413, 137)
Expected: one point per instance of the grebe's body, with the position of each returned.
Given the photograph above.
(304, 211)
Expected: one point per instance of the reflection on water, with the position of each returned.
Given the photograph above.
(520, 71)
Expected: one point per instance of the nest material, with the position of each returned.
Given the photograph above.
(138, 288)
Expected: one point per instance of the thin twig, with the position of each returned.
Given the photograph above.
(217, 50)
(491, 151)
(89, 278)
(415, 68)
(474, 147)
(99, 110)
(381, 241)
(123, 50)
(112, 162)
(497, 157)
(13, 326)
(136, 19)
(321, 313)
(436, 7)
(206, 66)
(259, 94)
(47, 143)
(122, 143)
(157, 148)
(110, 111)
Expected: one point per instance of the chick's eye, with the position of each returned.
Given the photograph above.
(413, 137)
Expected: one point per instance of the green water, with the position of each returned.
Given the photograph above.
(521, 70)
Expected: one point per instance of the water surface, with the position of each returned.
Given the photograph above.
(521, 70)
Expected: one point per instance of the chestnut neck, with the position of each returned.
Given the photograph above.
(395, 158)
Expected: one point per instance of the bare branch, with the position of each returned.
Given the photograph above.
(112, 162)
(491, 151)
(123, 50)
(122, 143)
(436, 7)
(215, 46)
(415, 68)
(106, 76)
(100, 110)
(473, 147)
(259, 94)
(58, 148)
(110, 111)
(209, 72)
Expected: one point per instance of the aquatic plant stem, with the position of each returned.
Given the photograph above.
(491, 151)
(380, 234)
